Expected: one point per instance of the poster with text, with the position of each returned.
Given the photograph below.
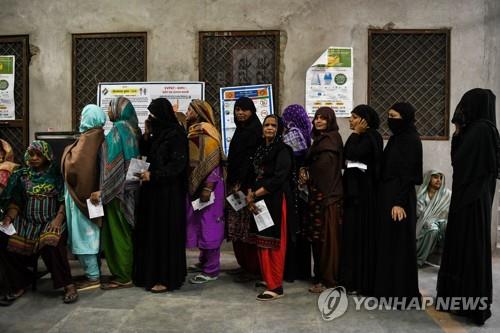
(141, 94)
(262, 96)
(7, 80)
(329, 82)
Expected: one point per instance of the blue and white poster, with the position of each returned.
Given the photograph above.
(262, 96)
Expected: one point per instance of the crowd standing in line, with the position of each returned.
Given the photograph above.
(365, 214)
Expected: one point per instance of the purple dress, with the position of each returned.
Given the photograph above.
(205, 228)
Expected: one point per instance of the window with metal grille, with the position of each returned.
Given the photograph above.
(105, 57)
(411, 66)
(236, 58)
(16, 132)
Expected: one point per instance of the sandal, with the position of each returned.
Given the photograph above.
(70, 294)
(202, 278)
(269, 295)
(113, 284)
(87, 284)
(317, 288)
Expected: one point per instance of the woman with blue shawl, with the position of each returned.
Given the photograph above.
(80, 168)
(35, 197)
(433, 203)
(118, 196)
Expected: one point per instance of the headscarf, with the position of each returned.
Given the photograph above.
(438, 206)
(122, 138)
(205, 148)
(92, 117)
(369, 114)
(267, 151)
(80, 160)
(43, 183)
(329, 115)
(475, 104)
(295, 116)
(120, 146)
(407, 121)
(7, 165)
(164, 116)
(243, 144)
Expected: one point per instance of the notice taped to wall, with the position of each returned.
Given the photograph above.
(141, 94)
(7, 80)
(329, 82)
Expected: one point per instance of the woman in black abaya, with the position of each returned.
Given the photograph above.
(364, 145)
(466, 262)
(160, 255)
(396, 266)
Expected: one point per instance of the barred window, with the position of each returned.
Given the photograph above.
(105, 57)
(411, 66)
(236, 58)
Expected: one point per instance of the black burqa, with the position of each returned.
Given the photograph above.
(466, 260)
(396, 265)
(160, 255)
(242, 148)
(359, 225)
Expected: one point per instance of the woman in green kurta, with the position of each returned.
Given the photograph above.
(433, 203)
(118, 196)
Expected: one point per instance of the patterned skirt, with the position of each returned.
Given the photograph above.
(33, 224)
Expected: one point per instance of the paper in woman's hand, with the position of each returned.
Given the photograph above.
(95, 210)
(9, 231)
(237, 200)
(136, 166)
(262, 216)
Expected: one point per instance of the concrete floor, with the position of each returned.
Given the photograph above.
(222, 306)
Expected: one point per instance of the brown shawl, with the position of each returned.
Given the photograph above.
(80, 167)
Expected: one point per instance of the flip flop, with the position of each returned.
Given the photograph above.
(269, 295)
(317, 289)
(112, 285)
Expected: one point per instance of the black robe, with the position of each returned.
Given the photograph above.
(466, 260)
(359, 227)
(396, 266)
(160, 235)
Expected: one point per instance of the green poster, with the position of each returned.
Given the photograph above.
(6, 65)
(338, 57)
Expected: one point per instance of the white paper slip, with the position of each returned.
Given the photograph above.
(359, 165)
(95, 210)
(198, 205)
(136, 166)
(237, 200)
(9, 231)
(262, 218)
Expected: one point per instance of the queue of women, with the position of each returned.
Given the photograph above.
(351, 208)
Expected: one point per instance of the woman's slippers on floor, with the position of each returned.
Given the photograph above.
(113, 284)
(317, 288)
(269, 295)
(10, 298)
(202, 278)
(70, 294)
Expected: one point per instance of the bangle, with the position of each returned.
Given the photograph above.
(254, 196)
(207, 189)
